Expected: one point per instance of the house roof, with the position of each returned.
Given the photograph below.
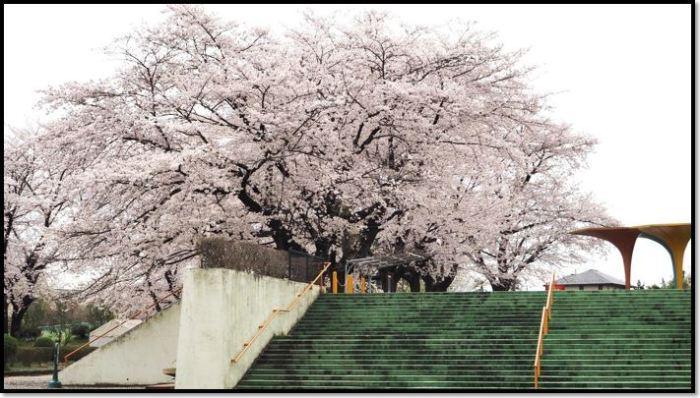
(590, 277)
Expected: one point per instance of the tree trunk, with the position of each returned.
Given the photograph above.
(503, 285)
(413, 280)
(18, 314)
(440, 286)
(432, 285)
(16, 324)
(283, 239)
(6, 320)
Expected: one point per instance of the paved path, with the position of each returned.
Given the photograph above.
(17, 382)
(41, 381)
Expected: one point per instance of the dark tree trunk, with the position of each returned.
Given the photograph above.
(282, 237)
(441, 285)
(413, 280)
(16, 323)
(18, 315)
(6, 320)
(503, 285)
(323, 248)
(367, 238)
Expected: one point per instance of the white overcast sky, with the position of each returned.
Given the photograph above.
(621, 74)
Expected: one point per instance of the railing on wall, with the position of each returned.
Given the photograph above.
(275, 313)
(139, 314)
(544, 329)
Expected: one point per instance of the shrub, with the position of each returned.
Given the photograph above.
(30, 355)
(81, 330)
(10, 344)
(44, 341)
(54, 332)
(98, 315)
(30, 333)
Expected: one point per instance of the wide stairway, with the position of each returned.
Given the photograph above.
(606, 339)
(406, 340)
(619, 340)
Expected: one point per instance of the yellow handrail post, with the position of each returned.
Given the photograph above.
(544, 329)
(335, 282)
(349, 285)
(550, 297)
(363, 286)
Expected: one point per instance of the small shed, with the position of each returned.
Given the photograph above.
(112, 330)
(589, 280)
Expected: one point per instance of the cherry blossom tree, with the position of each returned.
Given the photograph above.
(340, 140)
(536, 204)
(35, 209)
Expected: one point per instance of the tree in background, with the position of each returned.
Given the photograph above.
(36, 207)
(534, 206)
(671, 284)
(339, 140)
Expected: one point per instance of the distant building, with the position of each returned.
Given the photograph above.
(113, 329)
(589, 280)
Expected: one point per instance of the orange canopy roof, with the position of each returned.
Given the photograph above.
(673, 237)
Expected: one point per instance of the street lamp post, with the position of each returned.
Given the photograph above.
(54, 383)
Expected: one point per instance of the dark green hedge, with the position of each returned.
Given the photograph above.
(44, 341)
(10, 345)
(30, 355)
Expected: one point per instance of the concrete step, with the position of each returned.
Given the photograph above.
(620, 340)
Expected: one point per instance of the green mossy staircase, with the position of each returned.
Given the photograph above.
(406, 340)
(619, 340)
(481, 341)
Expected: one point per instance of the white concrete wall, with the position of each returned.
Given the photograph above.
(137, 357)
(221, 309)
(126, 325)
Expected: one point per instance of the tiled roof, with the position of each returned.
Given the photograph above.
(590, 277)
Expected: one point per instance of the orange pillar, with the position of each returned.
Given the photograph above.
(334, 282)
(363, 286)
(673, 237)
(627, 263)
(623, 238)
(678, 266)
(349, 285)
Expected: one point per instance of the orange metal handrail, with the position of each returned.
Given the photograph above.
(70, 354)
(544, 329)
(276, 312)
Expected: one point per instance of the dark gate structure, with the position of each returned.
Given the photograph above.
(386, 270)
